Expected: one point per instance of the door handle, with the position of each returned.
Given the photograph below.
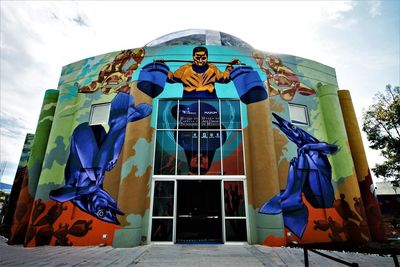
(185, 216)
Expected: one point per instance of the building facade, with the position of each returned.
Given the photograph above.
(196, 138)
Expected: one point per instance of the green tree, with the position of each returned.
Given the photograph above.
(381, 123)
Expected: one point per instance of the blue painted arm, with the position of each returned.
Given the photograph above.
(321, 147)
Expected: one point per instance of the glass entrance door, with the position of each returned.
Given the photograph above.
(199, 213)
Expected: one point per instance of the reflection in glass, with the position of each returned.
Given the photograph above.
(210, 142)
(161, 230)
(236, 230)
(230, 114)
(192, 157)
(165, 153)
(188, 114)
(232, 153)
(182, 163)
(209, 114)
(166, 117)
(234, 199)
(163, 204)
(188, 142)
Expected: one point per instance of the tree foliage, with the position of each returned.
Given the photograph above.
(381, 123)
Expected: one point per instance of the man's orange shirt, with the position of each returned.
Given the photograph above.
(193, 81)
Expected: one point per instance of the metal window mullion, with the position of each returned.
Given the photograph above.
(206, 129)
(243, 148)
(152, 184)
(174, 223)
(191, 177)
(168, 130)
(223, 211)
(198, 137)
(149, 231)
(177, 140)
(246, 202)
(220, 136)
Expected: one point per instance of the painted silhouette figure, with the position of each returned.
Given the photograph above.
(309, 173)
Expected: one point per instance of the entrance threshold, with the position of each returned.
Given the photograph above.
(199, 243)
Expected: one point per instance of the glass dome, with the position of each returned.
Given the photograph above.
(198, 37)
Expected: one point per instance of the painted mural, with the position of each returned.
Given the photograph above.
(116, 76)
(31, 173)
(281, 80)
(212, 113)
(93, 151)
(17, 185)
(309, 174)
(199, 77)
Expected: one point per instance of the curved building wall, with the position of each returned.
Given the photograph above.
(100, 180)
(31, 174)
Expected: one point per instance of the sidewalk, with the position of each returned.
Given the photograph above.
(175, 255)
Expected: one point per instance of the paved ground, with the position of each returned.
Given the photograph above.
(175, 255)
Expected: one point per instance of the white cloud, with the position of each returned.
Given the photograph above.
(38, 38)
(337, 10)
(374, 8)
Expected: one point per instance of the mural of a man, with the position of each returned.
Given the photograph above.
(198, 78)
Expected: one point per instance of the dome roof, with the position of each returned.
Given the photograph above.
(198, 37)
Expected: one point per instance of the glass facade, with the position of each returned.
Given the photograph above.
(163, 208)
(235, 214)
(199, 176)
(199, 137)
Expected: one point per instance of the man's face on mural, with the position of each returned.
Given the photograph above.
(200, 58)
(259, 58)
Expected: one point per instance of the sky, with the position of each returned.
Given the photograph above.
(360, 39)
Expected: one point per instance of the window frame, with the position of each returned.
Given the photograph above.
(92, 111)
(199, 129)
(224, 218)
(305, 108)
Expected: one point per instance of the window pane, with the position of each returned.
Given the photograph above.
(163, 204)
(99, 114)
(165, 153)
(298, 114)
(236, 230)
(209, 114)
(187, 152)
(230, 114)
(161, 230)
(232, 152)
(234, 199)
(210, 155)
(188, 115)
(167, 113)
